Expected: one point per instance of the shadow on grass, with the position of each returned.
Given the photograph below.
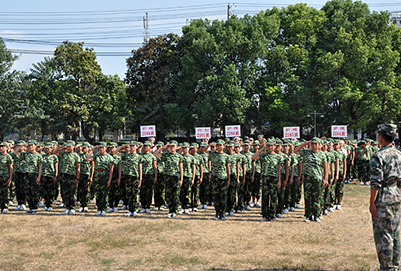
(218, 269)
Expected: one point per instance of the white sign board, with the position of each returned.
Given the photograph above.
(233, 130)
(148, 131)
(339, 131)
(202, 132)
(291, 132)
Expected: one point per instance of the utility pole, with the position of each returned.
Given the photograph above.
(229, 13)
(146, 26)
(315, 114)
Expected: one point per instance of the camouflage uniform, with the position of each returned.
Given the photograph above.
(172, 163)
(19, 179)
(255, 185)
(240, 188)
(270, 163)
(294, 186)
(234, 159)
(130, 174)
(362, 164)
(114, 189)
(339, 187)
(148, 177)
(204, 188)
(187, 163)
(102, 166)
(30, 169)
(84, 180)
(281, 190)
(160, 186)
(385, 172)
(5, 161)
(198, 161)
(48, 173)
(313, 176)
(246, 189)
(219, 178)
(328, 193)
(68, 175)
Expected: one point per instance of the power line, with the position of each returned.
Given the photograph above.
(49, 53)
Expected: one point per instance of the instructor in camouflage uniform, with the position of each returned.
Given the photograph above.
(385, 198)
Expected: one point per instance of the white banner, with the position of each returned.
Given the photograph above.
(291, 132)
(339, 131)
(202, 132)
(148, 131)
(233, 130)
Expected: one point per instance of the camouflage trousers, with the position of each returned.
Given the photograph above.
(287, 194)
(219, 195)
(68, 190)
(231, 194)
(146, 191)
(247, 188)
(363, 170)
(280, 196)
(294, 192)
(339, 190)
(123, 191)
(159, 190)
(102, 191)
(269, 196)
(255, 186)
(11, 191)
(299, 191)
(312, 197)
(20, 187)
(57, 189)
(32, 192)
(132, 192)
(92, 190)
(173, 193)
(48, 190)
(184, 192)
(114, 191)
(386, 231)
(83, 190)
(204, 190)
(352, 172)
(193, 197)
(241, 194)
(4, 192)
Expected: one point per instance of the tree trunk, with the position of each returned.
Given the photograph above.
(115, 136)
(33, 134)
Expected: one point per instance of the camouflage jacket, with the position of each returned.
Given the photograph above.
(103, 162)
(172, 163)
(187, 163)
(130, 164)
(31, 162)
(86, 166)
(219, 162)
(48, 165)
(313, 163)
(147, 164)
(270, 162)
(248, 157)
(385, 175)
(5, 160)
(198, 160)
(69, 162)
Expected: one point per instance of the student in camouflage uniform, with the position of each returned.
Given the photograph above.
(329, 191)
(285, 164)
(104, 164)
(159, 189)
(11, 187)
(256, 177)
(130, 172)
(32, 168)
(85, 178)
(6, 175)
(316, 175)
(234, 170)
(271, 179)
(220, 177)
(342, 171)
(189, 167)
(114, 188)
(242, 160)
(70, 165)
(173, 169)
(385, 198)
(204, 187)
(294, 181)
(291, 165)
(198, 161)
(18, 176)
(49, 176)
(362, 162)
(149, 177)
(245, 189)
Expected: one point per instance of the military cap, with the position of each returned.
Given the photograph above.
(159, 144)
(70, 143)
(194, 145)
(86, 144)
(362, 142)
(11, 142)
(256, 143)
(237, 144)
(227, 139)
(336, 141)
(4, 144)
(270, 142)
(185, 145)
(139, 144)
(246, 137)
(229, 144)
(102, 144)
(220, 141)
(203, 144)
(78, 145)
(173, 143)
(31, 142)
(147, 143)
(278, 141)
(49, 145)
(387, 128)
(247, 142)
(315, 139)
(133, 143)
(54, 142)
(213, 144)
(20, 142)
(260, 136)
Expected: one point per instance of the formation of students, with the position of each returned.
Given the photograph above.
(231, 175)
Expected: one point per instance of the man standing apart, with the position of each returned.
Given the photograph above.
(385, 198)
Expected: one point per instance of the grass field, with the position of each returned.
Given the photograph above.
(343, 241)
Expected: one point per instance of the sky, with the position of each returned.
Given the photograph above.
(33, 29)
